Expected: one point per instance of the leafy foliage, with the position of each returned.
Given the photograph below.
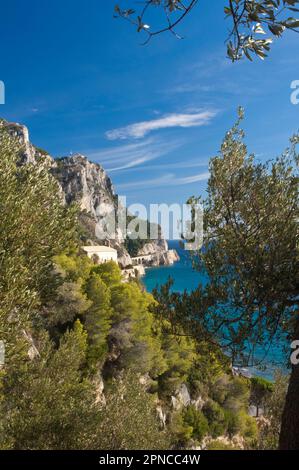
(47, 404)
(216, 418)
(249, 251)
(197, 421)
(34, 226)
(129, 419)
(97, 318)
(260, 391)
(250, 21)
(188, 425)
(250, 258)
(68, 322)
(274, 404)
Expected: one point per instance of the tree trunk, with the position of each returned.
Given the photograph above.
(289, 434)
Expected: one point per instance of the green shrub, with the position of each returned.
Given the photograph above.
(129, 419)
(273, 408)
(220, 389)
(249, 429)
(233, 422)
(180, 430)
(261, 390)
(238, 395)
(216, 418)
(198, 422)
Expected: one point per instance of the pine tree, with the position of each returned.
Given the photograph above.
(97, 319)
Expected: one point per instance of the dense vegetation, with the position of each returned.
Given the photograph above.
(250, 257)
(72, 328)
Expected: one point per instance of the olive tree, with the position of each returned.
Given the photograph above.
(250, 258)
(253, 23)
(34, 227)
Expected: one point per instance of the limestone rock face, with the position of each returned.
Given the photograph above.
(29, 153)
(198, 403)
(135, 272)
(169, 257)
(154, 247)
(87, 184)
(100, 386)
(18, 131)
(162, 416)
(124, 259)
(182, 398)
(156, 253)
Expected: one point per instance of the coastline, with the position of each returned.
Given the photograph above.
(185, 278)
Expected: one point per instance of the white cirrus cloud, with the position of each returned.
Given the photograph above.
(123, 157)
(174, 166)
(168, 179)
(132, 163)
(140, 129)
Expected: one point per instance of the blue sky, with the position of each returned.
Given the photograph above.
(151, 115)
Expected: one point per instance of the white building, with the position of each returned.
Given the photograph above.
(101, 254)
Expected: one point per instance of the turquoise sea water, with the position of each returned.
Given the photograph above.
(183, 275)
(185, 278)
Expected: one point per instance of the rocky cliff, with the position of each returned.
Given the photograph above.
(87, 184)
(156, 253)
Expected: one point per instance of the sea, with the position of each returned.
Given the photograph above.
(186, 278)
